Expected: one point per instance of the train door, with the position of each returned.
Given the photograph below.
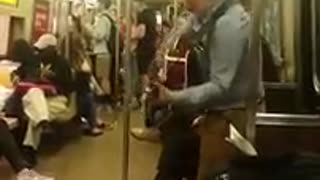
(279, 32)
(292, 117)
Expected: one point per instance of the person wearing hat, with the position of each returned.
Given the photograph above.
(46, 98)
(46, 41)
(55, 68)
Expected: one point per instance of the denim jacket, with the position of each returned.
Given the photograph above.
(229, 76)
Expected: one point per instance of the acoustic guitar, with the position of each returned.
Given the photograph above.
(173, 74)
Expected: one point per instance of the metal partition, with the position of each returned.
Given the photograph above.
(288, 120)
(255, 57)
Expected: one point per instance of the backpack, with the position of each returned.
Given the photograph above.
(112, 41)
(112, 47)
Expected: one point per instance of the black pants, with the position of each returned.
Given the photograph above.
(180, 152)
(87, 108)
(10, 149)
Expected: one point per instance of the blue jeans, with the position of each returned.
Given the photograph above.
(87, 108)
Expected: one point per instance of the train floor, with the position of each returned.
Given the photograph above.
(99, 158)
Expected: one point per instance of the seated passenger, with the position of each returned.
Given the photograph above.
(10, 150)
(46, 98)
(29, 69)
(55, 68)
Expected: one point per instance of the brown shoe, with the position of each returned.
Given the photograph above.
(146, 134)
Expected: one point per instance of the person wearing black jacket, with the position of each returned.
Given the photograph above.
(59, 73)
(43, 87)
(29, 69)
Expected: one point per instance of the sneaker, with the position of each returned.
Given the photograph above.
(146, 134)
(27, 174)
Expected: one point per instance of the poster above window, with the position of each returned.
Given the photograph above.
(40, 19)
(9, 2)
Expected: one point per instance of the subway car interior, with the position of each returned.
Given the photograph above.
(88, 89)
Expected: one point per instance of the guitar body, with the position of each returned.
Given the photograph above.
(175, 72)
(176, 65)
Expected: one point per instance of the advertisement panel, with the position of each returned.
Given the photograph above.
(40, 18)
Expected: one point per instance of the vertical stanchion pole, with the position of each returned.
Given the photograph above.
(175, 14)
(68, 7)
(255, 58)
(51, 15)
(118, 53)
(126, 125)
(58, 21)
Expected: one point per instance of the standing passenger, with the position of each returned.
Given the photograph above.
(100, 33)
(147, 40)
(151, 133)
(84, 82)
(221, 31)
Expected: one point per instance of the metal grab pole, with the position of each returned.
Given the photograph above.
(126, 125)
(67, 42)
(118, 53)
(255, 58)
(175, 14)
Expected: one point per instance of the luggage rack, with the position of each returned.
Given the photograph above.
(288, 120)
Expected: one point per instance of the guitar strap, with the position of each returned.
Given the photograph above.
(201, 41)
